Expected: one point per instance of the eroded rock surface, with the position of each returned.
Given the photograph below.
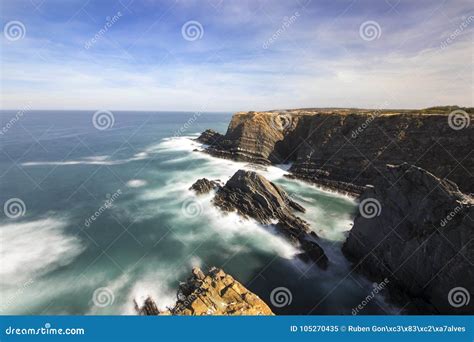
(213, 293)
(252, 195)
(204, 185)
(422, 240)
(210, 137)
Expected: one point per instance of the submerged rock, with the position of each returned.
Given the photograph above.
(204, 185)
(418, 231)
(211, 293)
(252, 195)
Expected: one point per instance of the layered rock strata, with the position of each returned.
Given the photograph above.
(344, 149)
(417, 230)
(252, 195)
(211, 293)
(204, 185)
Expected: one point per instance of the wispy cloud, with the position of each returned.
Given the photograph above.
(142, 62)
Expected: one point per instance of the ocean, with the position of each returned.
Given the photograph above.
(97, 214)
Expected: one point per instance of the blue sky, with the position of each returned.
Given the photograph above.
(421, 54)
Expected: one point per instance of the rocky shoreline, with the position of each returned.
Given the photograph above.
(345, 149)
(210, 293)
(409, 170)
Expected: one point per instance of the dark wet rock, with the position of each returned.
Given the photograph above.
(422, 240)
(204, 185)
(148, 308)
(211, 293)
(210, 137)
(252, 195)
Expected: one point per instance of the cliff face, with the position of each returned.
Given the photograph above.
(346, 149)
(419, 234)
(214, 293)
(417, 229)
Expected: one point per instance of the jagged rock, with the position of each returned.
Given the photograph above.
(213, 293)
(252, 195)
(210, 137)
(204, 185)
(345, 149)
(149, 308)
(422, 239)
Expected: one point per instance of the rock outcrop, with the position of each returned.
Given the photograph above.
(344, 149)
(204, 185)
(251, 195)
(210, 137)
(418, 231)
(214, 293)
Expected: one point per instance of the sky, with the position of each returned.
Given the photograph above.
(235, 55)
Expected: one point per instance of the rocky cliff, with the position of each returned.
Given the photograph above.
(252, 195)
(345, 149)
(418, 231)
(213, 293)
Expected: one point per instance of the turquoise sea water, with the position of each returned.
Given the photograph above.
(106, 217)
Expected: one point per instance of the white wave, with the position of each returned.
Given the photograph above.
(97, 158)
(31, 249)
(183, 143)
(136, 183)
(92, 160)
(237, 233)
(113, 287)
(231, 225)
(156, 285)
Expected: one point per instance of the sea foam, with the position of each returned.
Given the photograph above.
(30, 249)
